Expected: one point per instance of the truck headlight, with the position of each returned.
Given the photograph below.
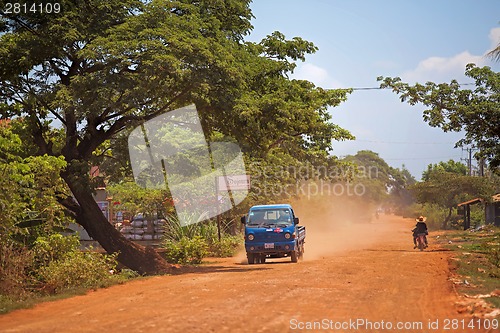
(250, 237)
(287, 235)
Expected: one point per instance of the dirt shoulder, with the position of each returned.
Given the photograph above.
(358, 278)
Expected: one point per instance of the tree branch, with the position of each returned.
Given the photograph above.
(44, 146)
(121, 123)
(72, 207)
(276, 143)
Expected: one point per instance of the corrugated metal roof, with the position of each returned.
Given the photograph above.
(495, 198)
(470, 202)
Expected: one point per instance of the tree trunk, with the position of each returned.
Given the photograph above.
(134, 256)
(447, 219)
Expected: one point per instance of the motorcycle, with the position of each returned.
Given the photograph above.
(421, 241)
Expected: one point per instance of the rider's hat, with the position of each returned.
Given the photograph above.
(421, 219)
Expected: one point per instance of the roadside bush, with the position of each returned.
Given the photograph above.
(53, 248)
(435, 215)
(79, 270)
(477, 217)
(227, 247)
(493, 254)
(15, 264)
(59, 264)
(186, 250)
(411, 211)
(189, 244)
(175, 231)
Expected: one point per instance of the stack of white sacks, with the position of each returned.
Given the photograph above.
(141, 228)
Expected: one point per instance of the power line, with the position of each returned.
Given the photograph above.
(380, 88)
(421, 158)
(369, 88)
(408, 142)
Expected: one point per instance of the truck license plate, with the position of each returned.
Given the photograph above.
(269, 245)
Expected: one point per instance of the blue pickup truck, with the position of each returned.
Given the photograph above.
(273, 231)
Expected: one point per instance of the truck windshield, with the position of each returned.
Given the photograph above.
(280, 217)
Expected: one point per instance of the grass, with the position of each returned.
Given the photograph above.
(30, 299)
(476, 262)
(8, 304)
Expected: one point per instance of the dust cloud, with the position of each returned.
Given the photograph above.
(336, 224)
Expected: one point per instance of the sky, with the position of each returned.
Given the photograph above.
(359, 40)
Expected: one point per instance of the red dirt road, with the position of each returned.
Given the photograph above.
(360, 278)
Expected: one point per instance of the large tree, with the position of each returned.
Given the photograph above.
(453, 108)
(99, 68)
(450, 166)
(32, 209)
(449, 188)
(381, 181)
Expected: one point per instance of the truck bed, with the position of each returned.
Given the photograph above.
(301, 232)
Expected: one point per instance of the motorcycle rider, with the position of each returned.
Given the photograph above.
(420, 228)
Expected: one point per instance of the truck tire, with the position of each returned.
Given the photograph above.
(262, 258)
(301, 253)
(251, 258)
(294, 256)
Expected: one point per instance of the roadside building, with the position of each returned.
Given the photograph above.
(491, 210)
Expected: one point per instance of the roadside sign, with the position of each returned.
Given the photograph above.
(229, 184)
(233, 182)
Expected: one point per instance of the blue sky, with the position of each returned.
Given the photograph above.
(358, 41)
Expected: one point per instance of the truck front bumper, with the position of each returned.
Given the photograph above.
(270, 248)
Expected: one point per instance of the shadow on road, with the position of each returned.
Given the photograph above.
(220, 269)
(408, 251)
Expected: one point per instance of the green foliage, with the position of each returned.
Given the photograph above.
(493, 254)
(434, 213)
(401, 180)
(186, 250)
(32, 209)
(15, 265)
(477, 215)
(78, 270)
(381, 182)
(477, 261)
(448, 189)
(103, 68)
(54, 264)
(59, 264)
(53, 248)
(174, 231)
(183, 239)
(134, 199)
(227, 247)
(452, 108)
(450, 166)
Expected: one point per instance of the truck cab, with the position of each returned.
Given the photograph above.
(273, 231)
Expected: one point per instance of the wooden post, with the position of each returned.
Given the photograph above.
(217, 203)
(467, 217)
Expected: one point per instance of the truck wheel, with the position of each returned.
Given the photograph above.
(251, 258)
(294, 256)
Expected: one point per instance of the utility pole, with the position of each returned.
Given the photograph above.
(469, 161)
(481, 167)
